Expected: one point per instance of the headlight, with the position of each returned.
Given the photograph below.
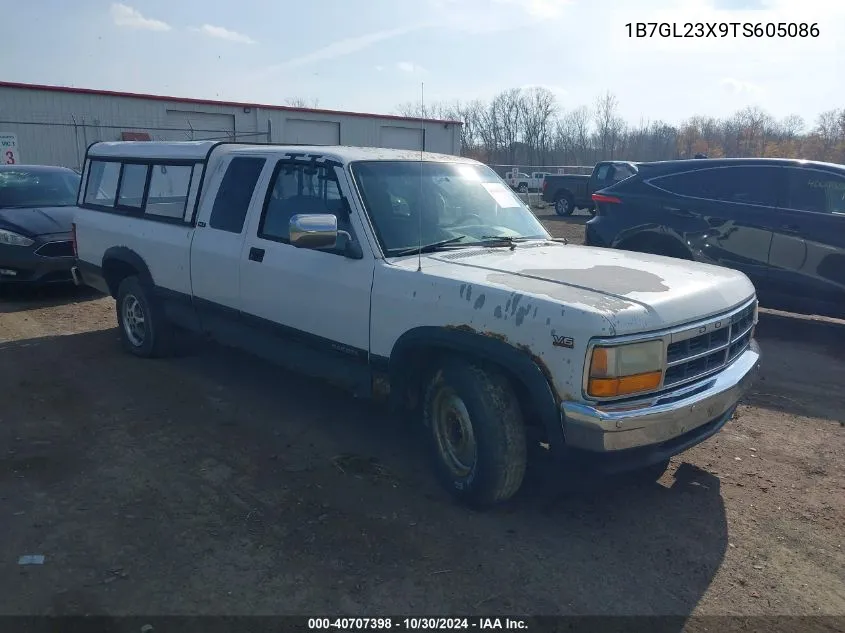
(625, 369)
(13, 239)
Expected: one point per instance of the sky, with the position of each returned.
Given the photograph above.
(371, 55)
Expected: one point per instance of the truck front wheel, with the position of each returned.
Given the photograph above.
(144, 330)
(475, 427)
(523, 188)
(564, 205)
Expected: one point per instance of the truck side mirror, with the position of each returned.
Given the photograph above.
(314, 230)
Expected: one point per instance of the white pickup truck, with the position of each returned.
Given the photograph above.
(424, 280)
(524, 183)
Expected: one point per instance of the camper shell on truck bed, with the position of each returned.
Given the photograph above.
(423, 279)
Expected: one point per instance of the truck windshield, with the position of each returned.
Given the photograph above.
(428, 203)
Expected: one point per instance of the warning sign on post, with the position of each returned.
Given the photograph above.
(9, 149)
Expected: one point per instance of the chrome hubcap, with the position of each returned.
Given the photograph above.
(562, 206)
(134, 322)
(453, 432)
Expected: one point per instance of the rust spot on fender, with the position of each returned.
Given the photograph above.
(461, 328)
(522, 348)
(496, 335)
(545, 369)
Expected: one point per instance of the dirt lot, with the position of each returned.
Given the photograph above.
(213, 483)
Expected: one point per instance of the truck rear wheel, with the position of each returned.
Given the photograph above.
(475, 428)
(564, 205)
(144, 330)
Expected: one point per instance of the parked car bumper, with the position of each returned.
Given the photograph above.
(48, 260)
(630, 436)
(593, 233)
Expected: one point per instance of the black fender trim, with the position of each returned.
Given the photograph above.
(531, 376)
(131, 258)
(653, 231)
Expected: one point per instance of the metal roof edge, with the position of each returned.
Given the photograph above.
(212, 102)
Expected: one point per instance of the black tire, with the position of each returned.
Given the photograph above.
(523, 188)
(485, 398)
(564, 205)
(153, 338)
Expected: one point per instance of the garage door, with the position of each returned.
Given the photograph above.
(310, 132)
(200, 126)
(401, 137)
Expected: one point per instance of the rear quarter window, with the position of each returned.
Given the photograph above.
(818, 191)
(101, 189)
(168, 193)
(756, 185)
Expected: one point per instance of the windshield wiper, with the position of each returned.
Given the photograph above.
(426, 248)
(503, 240)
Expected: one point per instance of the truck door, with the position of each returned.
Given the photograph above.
(219, 239)
(311, 307)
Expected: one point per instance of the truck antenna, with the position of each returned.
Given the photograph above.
(419, 199)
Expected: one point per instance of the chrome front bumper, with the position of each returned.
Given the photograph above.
(616, 427)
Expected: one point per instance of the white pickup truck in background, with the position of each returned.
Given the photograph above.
(523, 183)
(425, 280)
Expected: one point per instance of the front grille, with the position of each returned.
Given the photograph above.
(56, 249)
(694, 356)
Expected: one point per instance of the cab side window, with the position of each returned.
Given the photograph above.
(818, 191)
(622, 172)
(295, 189)
(602, 173)
(235, 193)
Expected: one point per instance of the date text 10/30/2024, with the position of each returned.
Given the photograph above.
(723, 29)
(412, 624)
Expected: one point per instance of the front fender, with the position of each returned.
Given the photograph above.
(407, 361)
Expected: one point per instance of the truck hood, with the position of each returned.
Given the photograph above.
(635, 292)
(33, 221)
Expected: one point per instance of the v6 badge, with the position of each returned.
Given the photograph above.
(563, 341)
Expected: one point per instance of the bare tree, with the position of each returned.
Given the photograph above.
(302, 102)
(829, 131)
(792, 126)
(507, 110)
(489, 132)
(525, 125)
(564, 143)
(471, 115)
(606, 119)
(579, 120)
(537, 108)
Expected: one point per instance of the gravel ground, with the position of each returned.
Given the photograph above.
(213, 483)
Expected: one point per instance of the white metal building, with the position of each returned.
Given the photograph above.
(54, 125)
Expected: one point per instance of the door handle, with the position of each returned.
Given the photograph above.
(256, 254)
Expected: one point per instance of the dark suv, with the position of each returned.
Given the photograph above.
(781, 222)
